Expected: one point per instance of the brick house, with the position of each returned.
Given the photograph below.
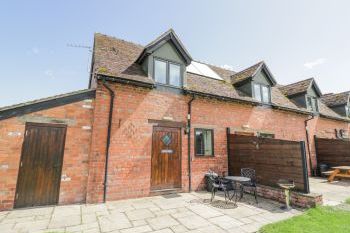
(159, 119)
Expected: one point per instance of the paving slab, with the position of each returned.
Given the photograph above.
(182, 213)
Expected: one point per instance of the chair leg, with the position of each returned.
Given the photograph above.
(242, 192)
(255, 195)
(212, 194)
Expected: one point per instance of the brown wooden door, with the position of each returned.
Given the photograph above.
(40, 166)
(166, 158)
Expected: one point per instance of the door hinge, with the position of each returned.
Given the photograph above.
(21, 164)
(16, 196)
(26, 133)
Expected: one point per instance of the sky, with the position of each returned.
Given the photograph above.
(297, 39)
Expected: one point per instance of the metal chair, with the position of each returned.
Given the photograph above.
(249, 173)
(217, 183)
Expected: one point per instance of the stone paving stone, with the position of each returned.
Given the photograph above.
(6, 227)
(21, 220)
(64, 221)
(32, 226)
(139, 229)
(179, 229)
(120, 206)
(167, 230)
(225, 222)
(88, 218)
(113, 222)
(82, 227)
(193, 222)
(137, 223)
(67, 210)
(88, 209)
(205, 211)
(97, 230)
(139, 214)
(165, 212)
(252, 227)
(30, 212)
(161, 222)
(143, 204)
(210, 229)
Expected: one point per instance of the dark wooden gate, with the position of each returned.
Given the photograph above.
(333, 152)
(272, 159)
(41, 165)
(166, 158)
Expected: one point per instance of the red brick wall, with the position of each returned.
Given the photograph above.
(324, 128)
(78, 117)
(130, 151)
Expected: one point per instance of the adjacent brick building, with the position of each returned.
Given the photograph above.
(160, 117)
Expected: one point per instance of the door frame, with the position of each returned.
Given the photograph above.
(21, 157)
(180, 154)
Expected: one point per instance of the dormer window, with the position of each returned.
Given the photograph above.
(167, 72)
(347, 110)
(312, 103)
(261, 93)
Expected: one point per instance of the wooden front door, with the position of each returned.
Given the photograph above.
(166, 158)
(40, 168)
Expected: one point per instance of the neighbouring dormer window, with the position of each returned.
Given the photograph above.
(312, 103)
(261, 93)
(167, 72)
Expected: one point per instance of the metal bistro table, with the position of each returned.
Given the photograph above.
(237, 180)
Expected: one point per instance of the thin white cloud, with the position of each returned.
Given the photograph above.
(227, 67)
(317, 62)
(49, 73)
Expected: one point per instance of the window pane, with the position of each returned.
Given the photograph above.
(160, 71)
(314, 105)
(257, 92)
(265, 94)
(204, 144)
(174, 75)
(309, 103)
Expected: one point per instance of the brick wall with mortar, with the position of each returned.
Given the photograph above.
(131, 141)
(78, 117)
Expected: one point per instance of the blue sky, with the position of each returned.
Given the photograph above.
(297, 39)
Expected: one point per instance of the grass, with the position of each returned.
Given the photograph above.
(347, 201)
(319, 219)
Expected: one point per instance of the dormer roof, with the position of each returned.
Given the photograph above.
(301, 87)
(168, 36)
(332, 100)
(249, 73)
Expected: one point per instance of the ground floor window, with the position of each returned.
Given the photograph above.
(204, 142)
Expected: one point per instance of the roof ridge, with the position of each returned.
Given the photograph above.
(259, 63)
(304, 80)
(117, 38)
(44, 99)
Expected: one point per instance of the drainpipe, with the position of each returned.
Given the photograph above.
(189, 143)
(111, 93)
(308, 143)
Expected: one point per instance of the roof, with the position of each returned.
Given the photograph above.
(45, 103)
(250, 72)
(300, 87)
(117, 58)
(332, 100)
(169, 35)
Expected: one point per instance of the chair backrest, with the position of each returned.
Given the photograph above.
(250, 173)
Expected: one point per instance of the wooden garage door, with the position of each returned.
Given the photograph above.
(40, 166)
(166, 158)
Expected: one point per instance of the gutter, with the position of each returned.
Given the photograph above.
(308, 143)
(189, 143)
(125, 81)
(110, 117)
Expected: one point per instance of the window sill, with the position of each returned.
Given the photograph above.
(170, 86)
(204, 156)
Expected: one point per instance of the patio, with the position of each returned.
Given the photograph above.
(333, 193)
(186, 212)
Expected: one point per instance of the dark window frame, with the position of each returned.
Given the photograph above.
(261, 92)
(347, 110)
(167, 79)
(310, 107)
(212, 142)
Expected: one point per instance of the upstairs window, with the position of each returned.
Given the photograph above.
(261, 93)
(312, 103)
(204, 142)
(166, 72)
